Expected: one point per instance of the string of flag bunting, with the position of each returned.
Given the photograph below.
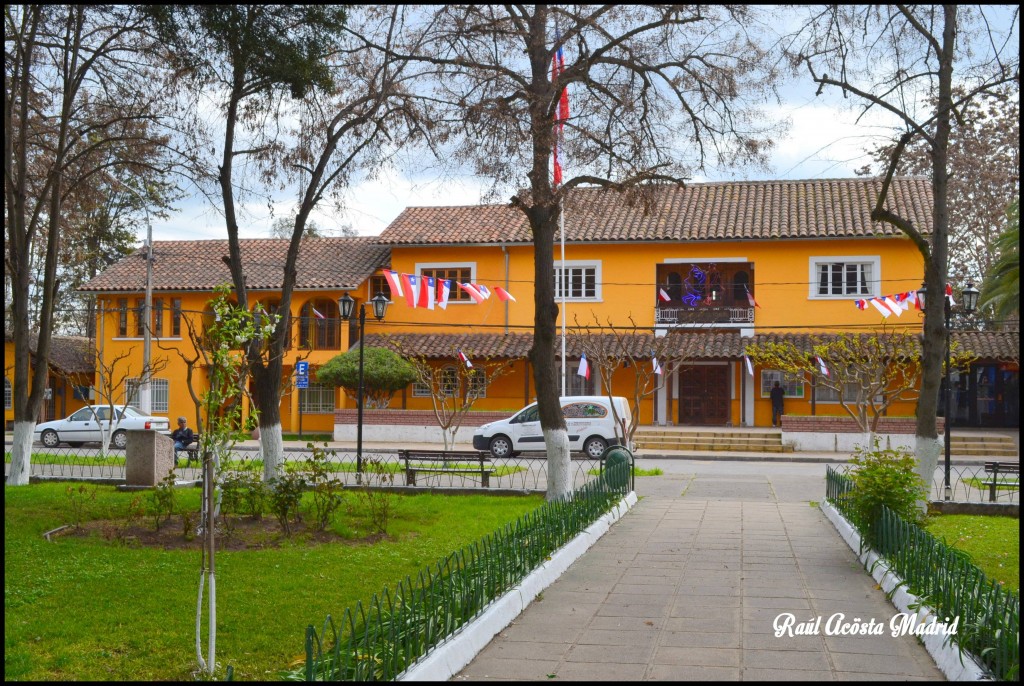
(429, 292)
(898, 303)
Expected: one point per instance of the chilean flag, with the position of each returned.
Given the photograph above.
(949, 294)
(428, 291)
(584, 369)
(465, 360)
(412, 288)
(655, 366)
(394, 282)
(562, 113)
(750, 298)
(822, 367)
(317, 314)
(443, 293)
(750, 367)
(896, 308)
(484, 291)
(473, 292)
(663, 296)
(503, 295)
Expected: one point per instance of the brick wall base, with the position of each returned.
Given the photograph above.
(846, 425)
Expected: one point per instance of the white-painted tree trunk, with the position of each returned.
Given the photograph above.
(928, 450)
(272, 447)
(559, 476)
(21, 454)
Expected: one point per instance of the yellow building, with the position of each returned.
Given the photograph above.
(68, 385)
(690, 265)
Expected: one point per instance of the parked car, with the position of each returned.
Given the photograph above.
(84, 426)
(588, 418)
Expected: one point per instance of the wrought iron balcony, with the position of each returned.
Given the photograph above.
(667, 315)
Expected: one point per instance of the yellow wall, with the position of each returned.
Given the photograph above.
(780, 283)
(64, 401)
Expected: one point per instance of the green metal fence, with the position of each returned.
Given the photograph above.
(380, 640)
(948, 582)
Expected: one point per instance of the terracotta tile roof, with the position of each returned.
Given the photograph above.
(69, 354)
(73, 354)
(323, 263)
(997, 346)
(820, 208)
(1002, 346)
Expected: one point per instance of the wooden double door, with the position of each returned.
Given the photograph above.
(703, 397)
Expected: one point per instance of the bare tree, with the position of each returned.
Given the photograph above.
(453, 388)
(610, 348)
(868, 372)
(984, 162)
(113, 375)
(892, 58)
(656, 92)
(308, 102)
(74, 86)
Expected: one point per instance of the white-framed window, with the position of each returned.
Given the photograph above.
(824, 394)
(448, 383)
(159, 394)
(477, 384)
(8, 394)
(578, 280)
(461, 272)
(792, 384)
(580, 385)
(316, 399)
(850, 276)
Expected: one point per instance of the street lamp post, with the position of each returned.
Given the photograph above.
(380, 306)
(970, 299)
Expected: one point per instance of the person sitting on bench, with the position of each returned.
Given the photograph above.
(182, 437)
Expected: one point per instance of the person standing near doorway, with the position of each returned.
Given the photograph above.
(777, 395)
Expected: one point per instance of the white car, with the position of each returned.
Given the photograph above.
(589, 419)
(84, 426)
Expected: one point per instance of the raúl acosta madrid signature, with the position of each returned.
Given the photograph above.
(901, 624)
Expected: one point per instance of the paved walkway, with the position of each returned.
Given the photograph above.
(687, 586)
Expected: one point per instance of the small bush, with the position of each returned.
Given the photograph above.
(328, 490)
(162, 500)
(285, 494)
(78, 497)
(884, 477)
(377, 478)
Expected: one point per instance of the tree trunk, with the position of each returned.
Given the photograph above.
(936, 271)
(266, 382)
(542, 354)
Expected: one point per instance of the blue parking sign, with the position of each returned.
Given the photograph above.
(302, 368)
(302, 382)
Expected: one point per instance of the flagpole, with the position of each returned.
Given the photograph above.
(561, 232)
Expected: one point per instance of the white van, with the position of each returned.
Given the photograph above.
(588, 418)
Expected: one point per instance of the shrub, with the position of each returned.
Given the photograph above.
(376, 492)
(285, 494)
(162, 500)
(884, 477)
(78, 497)
(328, 490)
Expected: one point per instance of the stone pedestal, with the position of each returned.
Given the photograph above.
(148, 457)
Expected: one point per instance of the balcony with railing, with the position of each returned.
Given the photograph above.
(702, 294)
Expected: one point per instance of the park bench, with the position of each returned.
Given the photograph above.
(191, 451)
(463, 462)
(997, 468)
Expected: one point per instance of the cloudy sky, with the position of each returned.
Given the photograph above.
(823, 142)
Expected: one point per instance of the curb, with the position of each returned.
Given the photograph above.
(459, 649)
(948, 658)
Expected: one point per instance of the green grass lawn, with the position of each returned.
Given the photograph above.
(992, 542)
(91, 609)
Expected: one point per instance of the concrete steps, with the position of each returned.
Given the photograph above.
(708, 439)
(770, 441)
(977, 445)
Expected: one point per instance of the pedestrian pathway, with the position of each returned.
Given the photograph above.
(688, 586)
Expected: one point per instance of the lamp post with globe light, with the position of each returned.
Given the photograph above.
(380, 306)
